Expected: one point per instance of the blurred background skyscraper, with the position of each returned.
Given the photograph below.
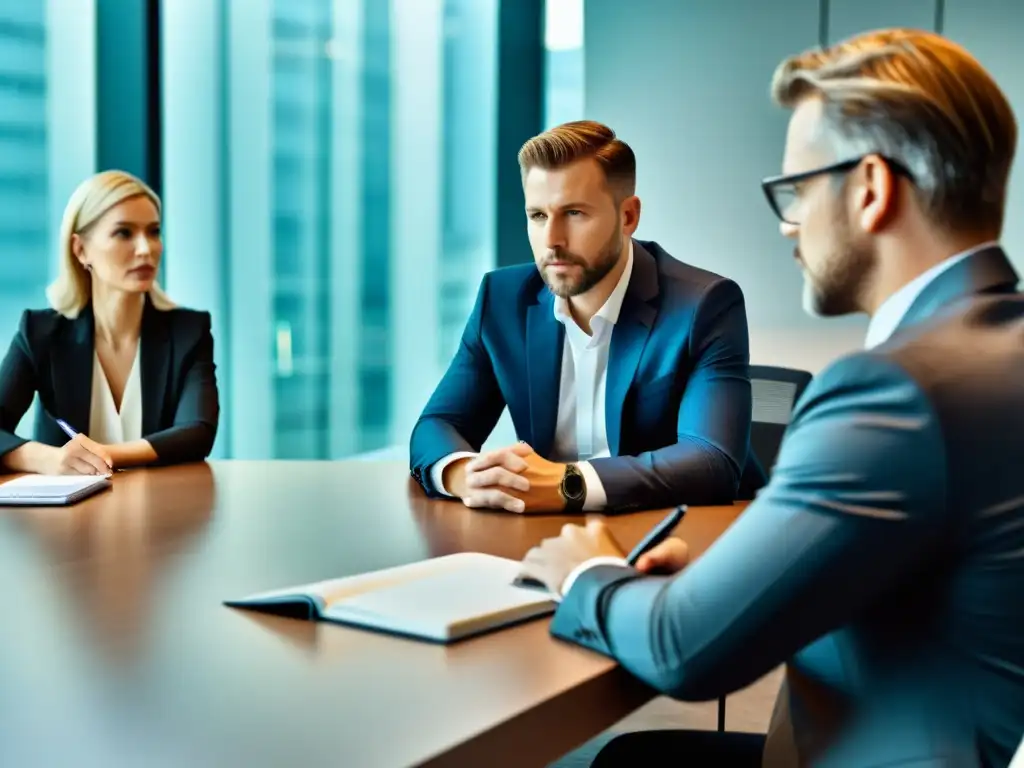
(353, 181)
(24, 180)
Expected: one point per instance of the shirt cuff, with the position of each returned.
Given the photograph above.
(575, 572)
(437, 471)
(596, 499)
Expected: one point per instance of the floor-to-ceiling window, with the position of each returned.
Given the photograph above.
(300, 127)
(563, 44)
(47, 142)
(338, 222)
(24, 177)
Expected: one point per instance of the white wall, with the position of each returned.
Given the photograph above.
(687, 85)
(991, 30)
(850, 17)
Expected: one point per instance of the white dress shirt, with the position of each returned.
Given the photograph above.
(887, 318)
(884, 322)
(580, 429)
(107, 425)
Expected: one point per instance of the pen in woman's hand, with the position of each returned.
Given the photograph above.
(72, 433)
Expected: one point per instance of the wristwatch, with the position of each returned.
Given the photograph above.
(573, 489)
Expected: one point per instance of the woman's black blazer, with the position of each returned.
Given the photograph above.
(52, 356)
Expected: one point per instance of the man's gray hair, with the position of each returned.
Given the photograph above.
(922, 100)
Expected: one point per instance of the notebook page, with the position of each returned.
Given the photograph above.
(66, 482)
(45, 486)
(343, 589)
(331, 591)
(447, 603)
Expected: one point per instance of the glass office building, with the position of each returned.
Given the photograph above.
(354, 175)
(563, 61)
(24, 178)
(47, 142)
(451, 179)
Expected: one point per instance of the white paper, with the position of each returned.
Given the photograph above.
(63, 482)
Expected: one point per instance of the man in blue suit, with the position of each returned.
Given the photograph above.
(884, 562)
(624, 370)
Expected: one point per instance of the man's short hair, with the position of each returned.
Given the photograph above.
(923, 101)
(567, 143)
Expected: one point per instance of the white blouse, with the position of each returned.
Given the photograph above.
(106, 424)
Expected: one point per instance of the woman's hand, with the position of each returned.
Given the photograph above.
(81, 456)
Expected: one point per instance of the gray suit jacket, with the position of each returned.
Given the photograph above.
(884, 562)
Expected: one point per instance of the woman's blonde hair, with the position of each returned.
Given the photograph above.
(71, 292)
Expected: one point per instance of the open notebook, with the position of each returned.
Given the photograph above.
(50, 490)
(444, 599)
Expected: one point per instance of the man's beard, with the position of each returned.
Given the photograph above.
(837, 287)
(590, 274)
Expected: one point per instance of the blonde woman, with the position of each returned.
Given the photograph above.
(129, 373)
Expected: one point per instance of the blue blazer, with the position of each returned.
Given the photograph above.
(52, 356)
(884, 561)
(678, 396)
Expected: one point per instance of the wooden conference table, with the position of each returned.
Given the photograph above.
(116, 651)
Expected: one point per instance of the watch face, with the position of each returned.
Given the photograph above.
(572, 484)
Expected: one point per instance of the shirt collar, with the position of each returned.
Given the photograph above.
(887, 318)
(609, 311)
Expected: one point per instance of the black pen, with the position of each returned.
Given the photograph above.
(658, 534)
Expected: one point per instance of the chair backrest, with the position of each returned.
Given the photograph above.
(776, 391)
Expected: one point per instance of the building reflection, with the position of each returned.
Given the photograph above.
(110, 554)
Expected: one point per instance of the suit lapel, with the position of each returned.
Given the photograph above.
(545, 338)
(72, 364)
(985, 271)
(628, 340)
(155, 349)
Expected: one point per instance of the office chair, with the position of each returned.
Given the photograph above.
(776, 391)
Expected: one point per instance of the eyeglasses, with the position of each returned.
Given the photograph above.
(783, 192)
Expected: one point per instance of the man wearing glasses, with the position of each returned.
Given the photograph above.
(884, 561)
